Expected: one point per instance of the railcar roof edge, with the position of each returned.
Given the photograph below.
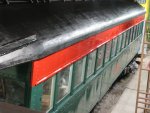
(19, 2)
(33, 33)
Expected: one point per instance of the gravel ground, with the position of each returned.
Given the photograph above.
(113, 95)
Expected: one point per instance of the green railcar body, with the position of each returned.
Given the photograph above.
(82, 96)
(63, 57)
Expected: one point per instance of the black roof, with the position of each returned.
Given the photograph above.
(8, 2)
(32, 32)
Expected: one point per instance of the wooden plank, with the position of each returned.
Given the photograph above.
(144, 108)
(146, 42)
(144, 98)
(146, 103)
(145, 69)
(9, 108)
(144, 93)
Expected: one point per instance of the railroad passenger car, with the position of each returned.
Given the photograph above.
(63, 57)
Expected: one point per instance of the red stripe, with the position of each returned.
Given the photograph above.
(48, 66)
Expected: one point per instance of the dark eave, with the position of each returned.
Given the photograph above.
(33, 32)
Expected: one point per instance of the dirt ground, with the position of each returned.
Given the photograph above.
(111, 98)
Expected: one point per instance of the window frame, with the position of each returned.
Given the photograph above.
(115, 49)
(103, 58)
(134, 33)
(123, 40)
(56, 101)
(119, 43)
(138, 30)
(52, 93)
(127, 37)
(109, 57)
(130, 39)
(73, 87)
(87, 59)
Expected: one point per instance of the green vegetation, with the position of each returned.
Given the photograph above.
(148, 30)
